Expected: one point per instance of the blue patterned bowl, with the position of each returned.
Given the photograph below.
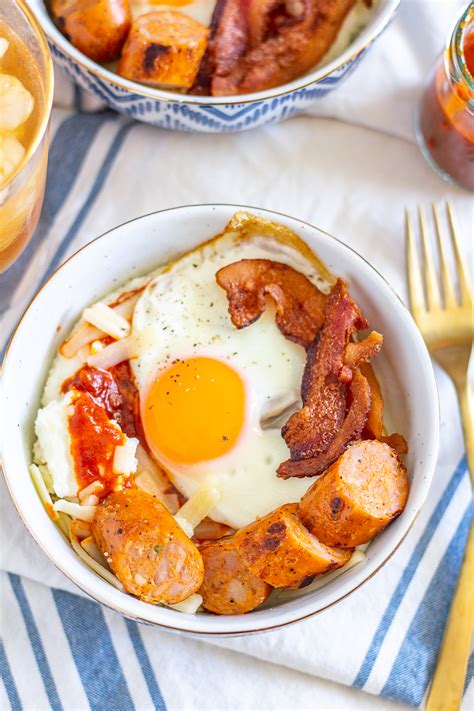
(209, 114)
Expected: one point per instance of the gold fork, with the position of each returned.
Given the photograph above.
(446, 324)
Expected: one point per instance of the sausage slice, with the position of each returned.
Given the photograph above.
(357, 496)
(279, 550)
(229, 588)
(145, 547)
(163, 48)
(98, 28)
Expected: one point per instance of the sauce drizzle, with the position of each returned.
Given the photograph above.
(93, 442)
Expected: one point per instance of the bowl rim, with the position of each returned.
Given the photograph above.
(361, 42)
(228, 631)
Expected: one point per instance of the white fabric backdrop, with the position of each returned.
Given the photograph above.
(351, 168)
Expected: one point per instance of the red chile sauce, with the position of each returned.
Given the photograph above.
(447, 122)
(93, 442)
(102, 395)
(469, 52)
(113, 390)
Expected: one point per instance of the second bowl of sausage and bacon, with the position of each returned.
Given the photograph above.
(211, 65)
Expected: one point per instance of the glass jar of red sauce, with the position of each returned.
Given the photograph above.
(445, 121)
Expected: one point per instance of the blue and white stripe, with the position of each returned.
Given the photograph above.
(63, 651)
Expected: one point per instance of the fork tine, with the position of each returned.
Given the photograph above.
(449, 293)
(415, 285)
(431, 280)
(466, 296)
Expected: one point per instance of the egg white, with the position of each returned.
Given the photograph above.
(183, 313)
(54, 441)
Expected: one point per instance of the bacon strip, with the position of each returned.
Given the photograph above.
(226, 44)
(258, 44)
(374, 427)
(350, 429)
(397, 442)
(363, 351)
(311, 430)
(299, 303)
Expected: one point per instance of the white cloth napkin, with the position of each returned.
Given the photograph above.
(350, 167)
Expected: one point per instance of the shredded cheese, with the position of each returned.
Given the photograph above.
(156, 479)
(80, 529)
(84, 353)
(94, 487)
(147, 482)
(3, 46)
(197, 507)
(107, 320)
(189, 606)
(126, 307)
(88, 544)
(115, 353)
(84, 513)
(95, 347)
(185, 525)
(125, 461)
(84, 335)
(94, 565)
(43, 492)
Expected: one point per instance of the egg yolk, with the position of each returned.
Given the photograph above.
(195, 410)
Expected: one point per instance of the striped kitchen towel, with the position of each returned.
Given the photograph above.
(63, 651)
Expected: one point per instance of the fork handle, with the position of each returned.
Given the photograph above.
(467, 418)
(448, 683)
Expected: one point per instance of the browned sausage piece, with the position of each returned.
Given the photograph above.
(280, 551)
(357, 496)
(98, 28)
(209, 530)
(145, 547)
(229, 588)
(163, 48)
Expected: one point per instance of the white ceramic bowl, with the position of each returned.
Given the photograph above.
(209, 114)
(136, 247)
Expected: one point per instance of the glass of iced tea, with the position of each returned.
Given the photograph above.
(26, 95)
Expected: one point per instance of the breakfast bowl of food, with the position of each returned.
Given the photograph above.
(210, 65)
(218, 420)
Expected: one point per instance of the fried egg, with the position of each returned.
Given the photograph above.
(207, 388)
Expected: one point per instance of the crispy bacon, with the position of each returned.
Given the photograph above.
(311, 430)
(299, 303)
(226, 44)
(350, 429)
(363, 351)
(338, 405)
(397, 442)
(374, 427)
(258, 44)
